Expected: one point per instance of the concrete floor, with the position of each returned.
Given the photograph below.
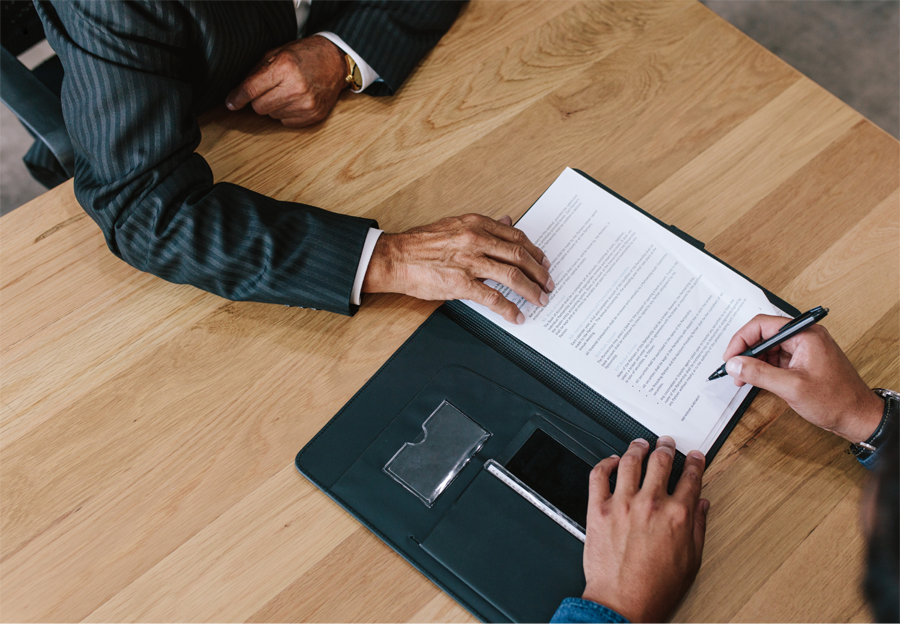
(850, 47)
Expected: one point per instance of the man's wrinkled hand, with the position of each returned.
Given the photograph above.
(450, 259)
(811, 373)
(643, 546)
(298, 83)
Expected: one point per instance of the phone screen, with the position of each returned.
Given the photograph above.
(554, 472)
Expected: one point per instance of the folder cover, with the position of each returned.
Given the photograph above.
(504, 552)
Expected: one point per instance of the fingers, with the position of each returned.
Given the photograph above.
(599, 490)
(494, 301)
(659, 466)
(512, 276)
(508, 258)
(294, 108)
(253, 86)
(781, 381)
(628, 480)
(516, 255)
(700, 514)
(514, 235)
(280, 102)
(758, 329)
(299, 113)
(691, 481)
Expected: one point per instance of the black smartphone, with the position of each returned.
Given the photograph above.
(554, 472)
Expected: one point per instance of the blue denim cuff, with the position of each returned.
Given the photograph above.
(580, 610)
(870, 461)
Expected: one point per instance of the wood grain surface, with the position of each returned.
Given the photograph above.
(148, 430)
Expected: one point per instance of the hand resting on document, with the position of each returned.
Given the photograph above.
(643, 546)
(450, 259)
(811, 373)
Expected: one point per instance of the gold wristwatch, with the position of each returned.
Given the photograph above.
(354, 76)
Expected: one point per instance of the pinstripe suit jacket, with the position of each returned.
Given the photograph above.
(137, 75)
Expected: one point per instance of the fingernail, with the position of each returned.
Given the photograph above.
(546, 263)
(520, 319)
(665, 441)
(544, 299)
(229, 105)
(640, 442)
(733, 367)
(705, 505)
(696, 455)
(550, 285)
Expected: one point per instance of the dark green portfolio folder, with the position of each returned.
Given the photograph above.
(486, 538)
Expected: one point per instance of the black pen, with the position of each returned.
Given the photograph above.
(804, 321)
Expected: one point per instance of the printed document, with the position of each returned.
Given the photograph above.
(638, 314)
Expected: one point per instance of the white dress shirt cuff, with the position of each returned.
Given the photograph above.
(368, 248)
(368, 74)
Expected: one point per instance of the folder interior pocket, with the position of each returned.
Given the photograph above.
(508, 550)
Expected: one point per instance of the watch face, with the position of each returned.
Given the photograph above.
(357, 77)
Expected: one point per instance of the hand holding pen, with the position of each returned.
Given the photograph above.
(792, 328)
(810, 372)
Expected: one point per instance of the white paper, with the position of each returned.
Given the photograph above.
(638, 314)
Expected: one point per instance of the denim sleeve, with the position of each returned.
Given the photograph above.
(580, 610)
(870, 461)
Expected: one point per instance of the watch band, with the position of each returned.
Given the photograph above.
(863, 450)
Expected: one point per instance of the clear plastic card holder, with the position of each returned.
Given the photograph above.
(426, 466)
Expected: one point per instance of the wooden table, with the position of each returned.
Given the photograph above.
(149, 430)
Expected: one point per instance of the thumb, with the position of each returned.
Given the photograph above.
(762, 375)
(700, 526)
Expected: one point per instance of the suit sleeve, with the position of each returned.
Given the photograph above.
(127, 98)
(392, 36)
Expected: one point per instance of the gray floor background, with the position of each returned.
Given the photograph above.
(850, 47)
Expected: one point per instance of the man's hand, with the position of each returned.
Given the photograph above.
(451, 258)
(811, 373)
(643, 547)
(298, 83)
